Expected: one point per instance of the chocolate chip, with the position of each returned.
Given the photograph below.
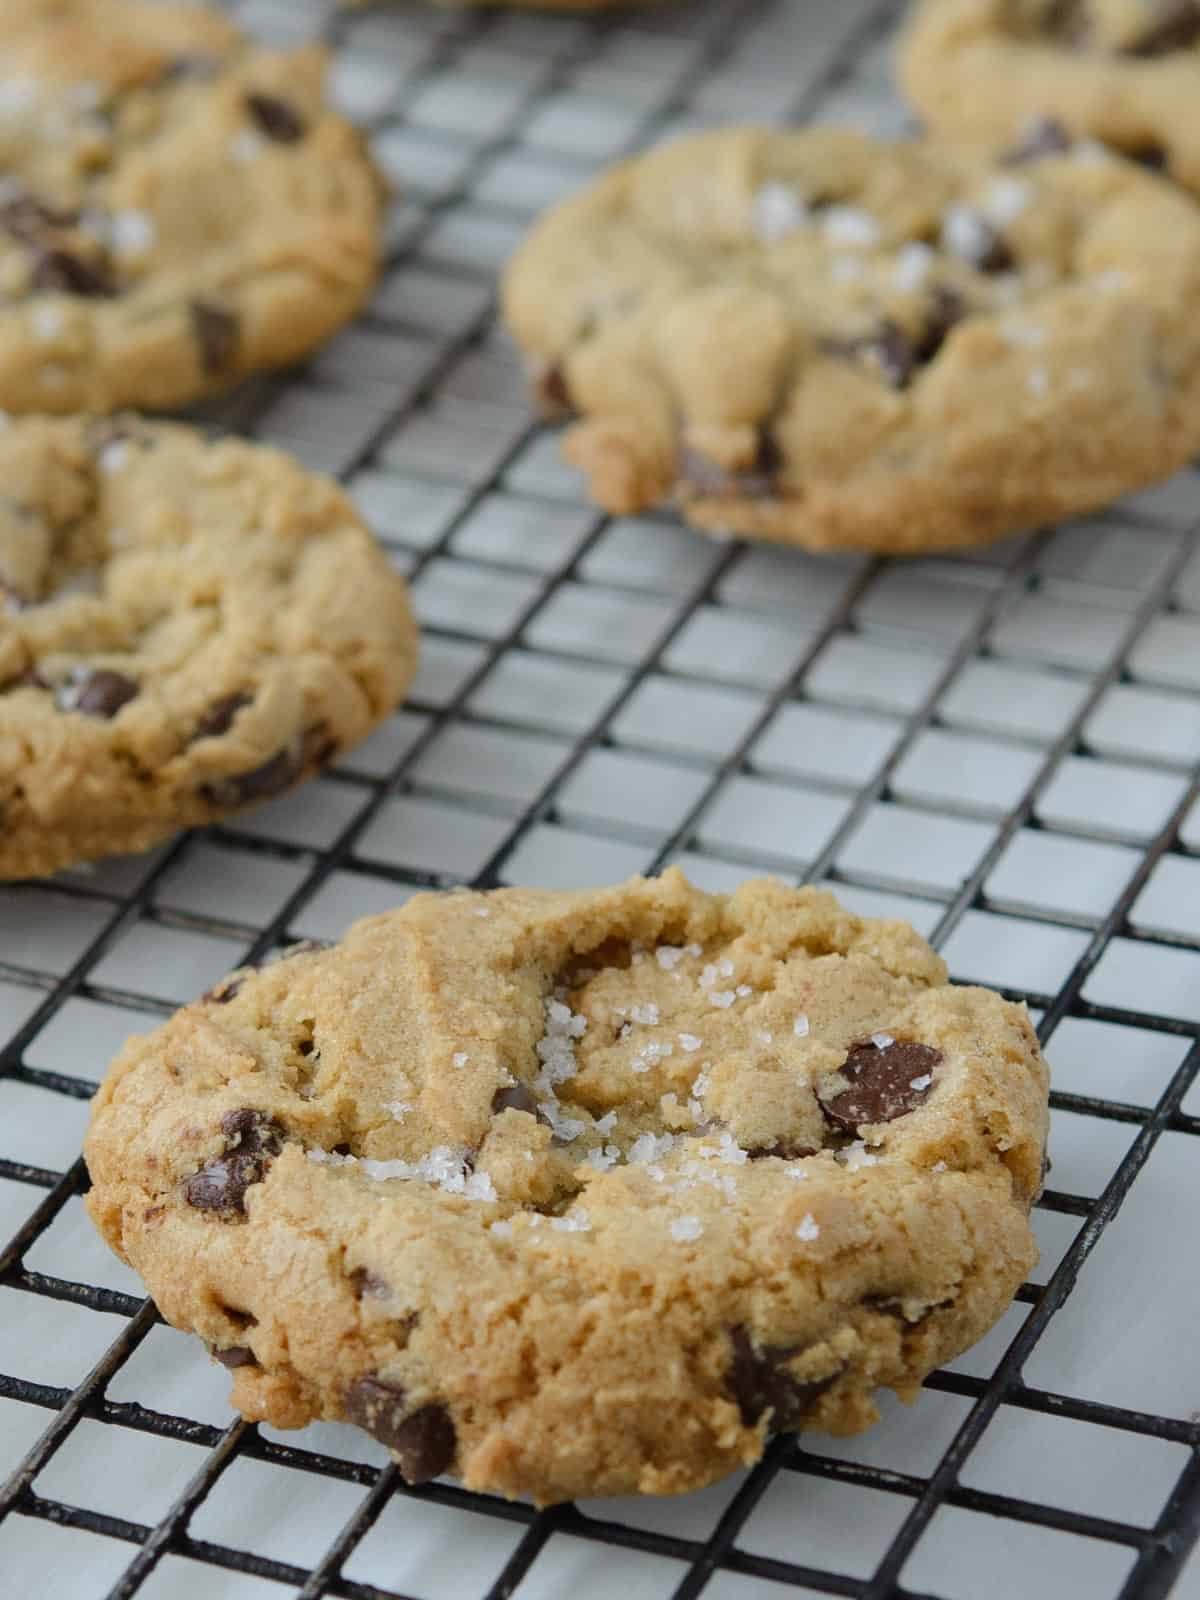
(100, 693)
(260, 783)
(969, 235)
(883, 1083)
(759, 1382)
(58, 271)
(237, 1355)
(275, 118)
(29, 219)
(699, 476)
(218, 719)
(253, 1139)
(782, 1150)
(1045, 136)
(1153, 157)
(514, 1097)
(1175, 27)
(887, 348)
(366, 1285)
(946, 309)
(552, 394)
(215, 330)
(423, 1440)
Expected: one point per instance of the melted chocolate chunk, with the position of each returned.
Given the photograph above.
(237, 1355)
(218, 719)
(698, 476)
(423, 1441)
(59, 271)
(1153, 157)
(887, 347)
(514, 1097)
(782, 1149)
(260, 783)
(1175, 26)
(946, 309)
(253, 1140)
(759, 1382)
(276, 118)
(1045, 136)
(552, 394)
(215, 331)
(102, 693)
(883, 1083)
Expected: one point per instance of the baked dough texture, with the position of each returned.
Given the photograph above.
(186, 628)
(581, 1193)
(177, 209)
(818, 338)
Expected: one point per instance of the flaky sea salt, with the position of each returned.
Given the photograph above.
(850, 226)
(922, 1082)
(881, 1041)
(808, 1229)
(800, 1027)
(669, 956)
(912, 266)
(648, 1147)
(646, 1015)
(776, 212)
(685, 1229)
(722, 998)
(606, 1123)
(576, 1221)
(603, 1157)
(479, 1187)
(690, 1043)
(857, 1155)
(1005, 198)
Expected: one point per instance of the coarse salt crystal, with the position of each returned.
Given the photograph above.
(668, 956)
(603, 1157)
(112, 457)
(647, 1147)
(850, 226)
(479, 1187)
(576, 1221)
(47, 321)
(501, 1228)
(922, 1082)
(857, 1155)
(799, 1173)
(606, 1123)
(702, 1082)
(693, 950)
(646, 1015)
(966, 234)
(722, 998)
(460, 1058)
(685, 1229)
(912, 266)
(131, 233)
(730, 1151)
(689, 1042)
(742, 990)
(800, 1027)
(766, 1036)
(939, 1166)
(808, 1229)
(1005, 199)
(480, 911)
(397, 1109)
(776, 212)
(245, 146)
(881, 1041)
(725, 968)
(1038, 381)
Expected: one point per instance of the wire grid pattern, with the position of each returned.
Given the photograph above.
(1001, 748)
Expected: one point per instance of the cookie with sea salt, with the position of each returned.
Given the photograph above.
(581, 1193)
(1126, 72)
(185, 629)
(818, 338)
(177, 209)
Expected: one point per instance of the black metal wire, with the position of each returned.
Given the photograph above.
(1160, 1551)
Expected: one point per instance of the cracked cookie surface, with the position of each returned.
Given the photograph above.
(177, 209)
(186, 628)
(821, 339)
(581, 1193)
(1123, 71)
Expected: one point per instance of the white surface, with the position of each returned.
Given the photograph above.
(482, 124)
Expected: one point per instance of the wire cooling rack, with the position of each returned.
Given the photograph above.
(1001, 748)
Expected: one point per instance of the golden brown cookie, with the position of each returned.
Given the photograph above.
(818, 338)
(581, 1193)
(1123, 71)
(177, 209)
(185, 629)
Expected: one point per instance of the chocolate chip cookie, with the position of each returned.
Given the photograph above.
(185, 629)
(822, 339)
(177, 209)
(1125, 72)
(581, 1193)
